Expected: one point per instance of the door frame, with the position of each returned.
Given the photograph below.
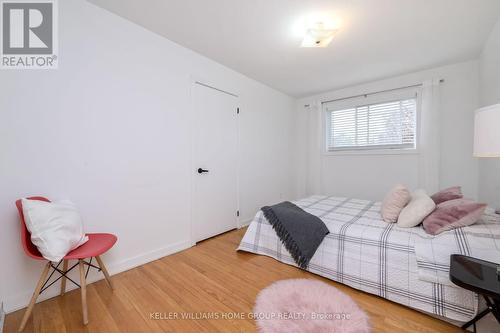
(195, 81)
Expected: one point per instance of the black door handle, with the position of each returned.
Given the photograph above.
(200, 170)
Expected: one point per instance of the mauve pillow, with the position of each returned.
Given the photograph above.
(447, 194)
(453, 214)
(394, 202)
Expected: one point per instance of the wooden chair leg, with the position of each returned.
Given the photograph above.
(38, 288)
(105, 272)
(83, 287)
(63, 279)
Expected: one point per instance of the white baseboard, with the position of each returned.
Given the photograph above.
(245, 223)
(20, 301)
(125, 265)
(2, 317)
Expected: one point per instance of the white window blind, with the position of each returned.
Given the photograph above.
(379, 125)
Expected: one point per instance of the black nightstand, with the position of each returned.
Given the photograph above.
(480, 277)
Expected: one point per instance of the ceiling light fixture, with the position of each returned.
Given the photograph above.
(318, 36)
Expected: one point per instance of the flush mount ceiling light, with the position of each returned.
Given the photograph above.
(318, 36)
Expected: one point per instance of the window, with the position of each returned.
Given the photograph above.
(380, 124)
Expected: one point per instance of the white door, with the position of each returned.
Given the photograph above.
(215, 156)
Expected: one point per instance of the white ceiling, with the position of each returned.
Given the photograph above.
(378, 38)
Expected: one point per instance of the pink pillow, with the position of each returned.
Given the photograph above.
(450, 193)
(394, 202)
(453, 214)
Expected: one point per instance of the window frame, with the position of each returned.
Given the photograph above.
(370, 99)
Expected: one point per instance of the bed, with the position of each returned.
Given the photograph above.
(404, 265)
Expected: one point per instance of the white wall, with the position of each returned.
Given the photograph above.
(111, 130)
(371, 176)
(489, 84)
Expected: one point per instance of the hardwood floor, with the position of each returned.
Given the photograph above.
(210, 278)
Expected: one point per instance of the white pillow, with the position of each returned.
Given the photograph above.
(419, 207)
(56, 227)
(394, 202)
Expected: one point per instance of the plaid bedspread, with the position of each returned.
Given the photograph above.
(368, 254)
(482, 240)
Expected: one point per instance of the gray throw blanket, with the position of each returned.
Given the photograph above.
(300, 232)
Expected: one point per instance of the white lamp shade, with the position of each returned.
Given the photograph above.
(487, 132)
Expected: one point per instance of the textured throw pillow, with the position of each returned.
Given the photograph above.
(394, 202)
(56, 227)
(417, 210)
(451, 193)
(453, 214)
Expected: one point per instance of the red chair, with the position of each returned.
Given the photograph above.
(97, 244)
